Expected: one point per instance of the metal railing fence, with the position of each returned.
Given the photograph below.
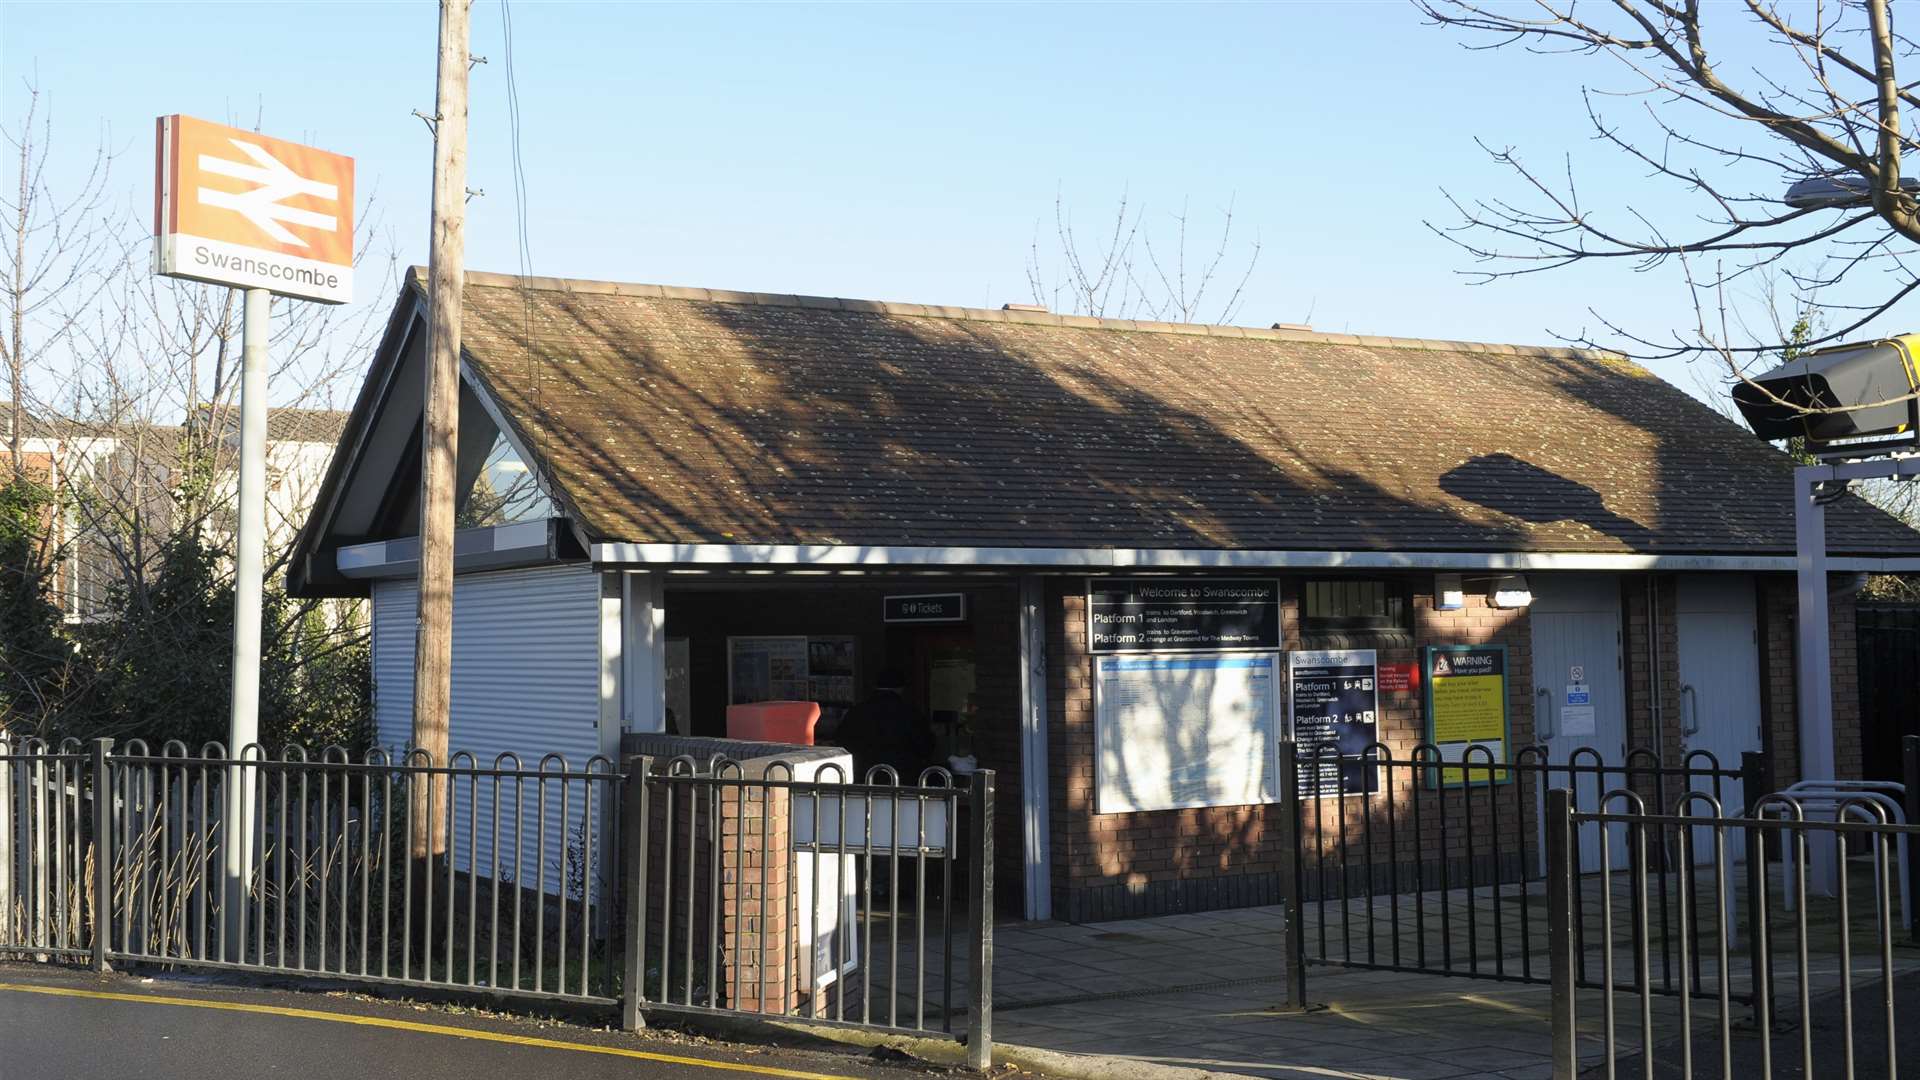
(694, 888)
(1408, 862)
(361, 868)
(1781, 976)
(46, 850)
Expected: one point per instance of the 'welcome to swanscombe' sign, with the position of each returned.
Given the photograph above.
(1179, 615)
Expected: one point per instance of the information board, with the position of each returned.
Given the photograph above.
(1335, 701)
(1182, 614)
(1467, 707)
(1180, 731)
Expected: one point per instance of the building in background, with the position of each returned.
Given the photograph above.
(120, 487)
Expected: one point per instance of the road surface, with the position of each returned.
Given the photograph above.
(60, 1024)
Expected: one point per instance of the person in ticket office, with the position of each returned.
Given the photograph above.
(886, 730)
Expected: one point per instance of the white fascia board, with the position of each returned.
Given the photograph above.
(834, 555)
(473, 549)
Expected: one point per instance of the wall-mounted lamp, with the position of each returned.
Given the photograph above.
(1448, 593)
(1511, 591)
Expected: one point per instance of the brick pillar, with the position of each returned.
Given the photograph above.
(757, 902)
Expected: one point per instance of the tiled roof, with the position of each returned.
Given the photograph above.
(288, 425)
(32, 425)
(689, 416)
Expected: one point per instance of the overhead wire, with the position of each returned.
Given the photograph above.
(523, 243)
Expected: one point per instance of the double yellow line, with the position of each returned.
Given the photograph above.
(410, 1025)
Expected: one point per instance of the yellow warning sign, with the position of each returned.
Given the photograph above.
(1467, 711)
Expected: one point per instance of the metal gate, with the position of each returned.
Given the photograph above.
(1435, 869)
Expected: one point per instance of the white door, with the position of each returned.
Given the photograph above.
(1719, 685)
(1579, 693)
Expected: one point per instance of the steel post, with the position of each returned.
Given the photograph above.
(980, 915)
(1559, 827)
(1814, 659)
(102, 855)
(633, 860)
(1296, 957)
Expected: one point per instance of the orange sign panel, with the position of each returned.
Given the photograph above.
(237, 208)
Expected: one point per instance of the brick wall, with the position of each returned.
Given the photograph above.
(1779, 617)
(1843, 644)
(756, 860)
(1654, 720)
(996, 738)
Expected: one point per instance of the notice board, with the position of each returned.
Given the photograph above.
(766, 669)
(1335, 700)
(1173, 732)
(1466, 708)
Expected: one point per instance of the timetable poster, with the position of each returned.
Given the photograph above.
(1335, 703)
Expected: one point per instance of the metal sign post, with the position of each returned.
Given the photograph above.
(249, 559)
(266, 216)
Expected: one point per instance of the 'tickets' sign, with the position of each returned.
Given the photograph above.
(1467, 710)
(925, 608)
(1182, 615)
(1335, 703)
(233, 207)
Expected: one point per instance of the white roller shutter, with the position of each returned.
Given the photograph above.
(526, 671)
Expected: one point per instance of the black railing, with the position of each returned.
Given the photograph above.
(1786, 969)
(696, 888)
(1420, 864)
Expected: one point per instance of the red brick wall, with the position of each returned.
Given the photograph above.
(1843, 645)
(1779, 600)
(996, 740)
(756, 861)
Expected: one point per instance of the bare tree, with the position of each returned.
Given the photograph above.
(138, 379)
(1120, 272)
(1817, 99)
(54, 246)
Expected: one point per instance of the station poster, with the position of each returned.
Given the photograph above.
(1335, 701)
(1467, 707)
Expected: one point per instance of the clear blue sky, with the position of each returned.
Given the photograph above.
(894, 152)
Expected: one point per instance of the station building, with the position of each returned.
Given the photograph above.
(1110, 557)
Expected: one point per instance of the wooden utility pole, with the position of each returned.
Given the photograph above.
(433, 641)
